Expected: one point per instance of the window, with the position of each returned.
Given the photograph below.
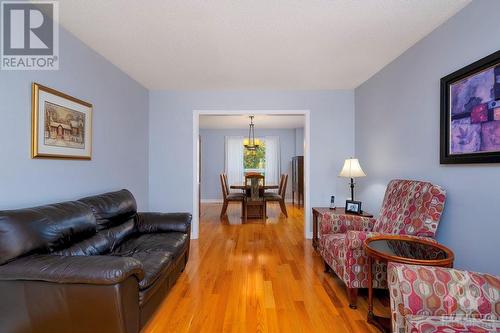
(255, 160)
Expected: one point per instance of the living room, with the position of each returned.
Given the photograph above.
(401, 128)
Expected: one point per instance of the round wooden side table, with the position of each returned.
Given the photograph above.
(404, 250)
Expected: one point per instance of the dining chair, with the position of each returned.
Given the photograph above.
(226, 183)
(228, 189)
(227, 196)
(251, 175)
(280, 196)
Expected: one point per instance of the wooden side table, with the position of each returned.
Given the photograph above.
(317, 211)
(405, 250)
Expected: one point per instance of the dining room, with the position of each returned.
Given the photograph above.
(251, 167)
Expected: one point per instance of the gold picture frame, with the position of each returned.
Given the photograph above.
(61, 125)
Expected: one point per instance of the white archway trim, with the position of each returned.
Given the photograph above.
(195, 230)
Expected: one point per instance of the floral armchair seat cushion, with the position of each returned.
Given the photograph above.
(410, 208)
(459, 299)
(437, 324)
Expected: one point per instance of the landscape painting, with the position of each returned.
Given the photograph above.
(61, 125)
(471, 108)
(64, 127)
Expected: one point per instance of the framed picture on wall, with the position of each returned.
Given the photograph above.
(61, 125)
(470, 113)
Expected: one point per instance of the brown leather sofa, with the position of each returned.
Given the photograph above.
(92, 265)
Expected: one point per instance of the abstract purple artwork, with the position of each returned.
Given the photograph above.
(474, 113)
(490, 136)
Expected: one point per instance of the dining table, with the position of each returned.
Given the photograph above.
(255, 209)
(261, 187)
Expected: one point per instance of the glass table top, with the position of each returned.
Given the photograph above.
(408, 249)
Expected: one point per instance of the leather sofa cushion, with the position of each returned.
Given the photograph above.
(156, 252)
(112, 208)
(156, 292)
(154, 264)
(103, 242)
(44, 229)
(120, 233)
(172, 242)
(95, 245)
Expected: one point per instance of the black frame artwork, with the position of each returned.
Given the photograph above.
(480, 113)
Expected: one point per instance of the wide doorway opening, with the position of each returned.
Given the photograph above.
(250, 166)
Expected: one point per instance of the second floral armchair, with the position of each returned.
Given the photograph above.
(410, 208)
(436, 299)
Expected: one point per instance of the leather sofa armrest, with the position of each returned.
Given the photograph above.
(163, 222)
(98, 270)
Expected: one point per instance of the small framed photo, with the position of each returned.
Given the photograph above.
(353, 207)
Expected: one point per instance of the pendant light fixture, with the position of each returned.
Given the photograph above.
(251, 143)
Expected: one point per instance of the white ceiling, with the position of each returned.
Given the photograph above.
(253, 44)
(260, 121)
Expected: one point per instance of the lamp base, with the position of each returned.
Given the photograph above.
(352, 189)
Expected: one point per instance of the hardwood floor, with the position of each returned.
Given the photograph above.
(258, 277)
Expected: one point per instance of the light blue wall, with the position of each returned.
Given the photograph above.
(120, 127)
(171, 138)
(397, 134)
(299, 141)
(212, 144)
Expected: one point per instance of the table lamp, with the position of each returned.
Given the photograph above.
(352, 169)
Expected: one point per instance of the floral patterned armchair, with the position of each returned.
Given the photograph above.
(434, 299)
(410, 208)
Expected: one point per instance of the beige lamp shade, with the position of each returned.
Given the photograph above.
(352, 169)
